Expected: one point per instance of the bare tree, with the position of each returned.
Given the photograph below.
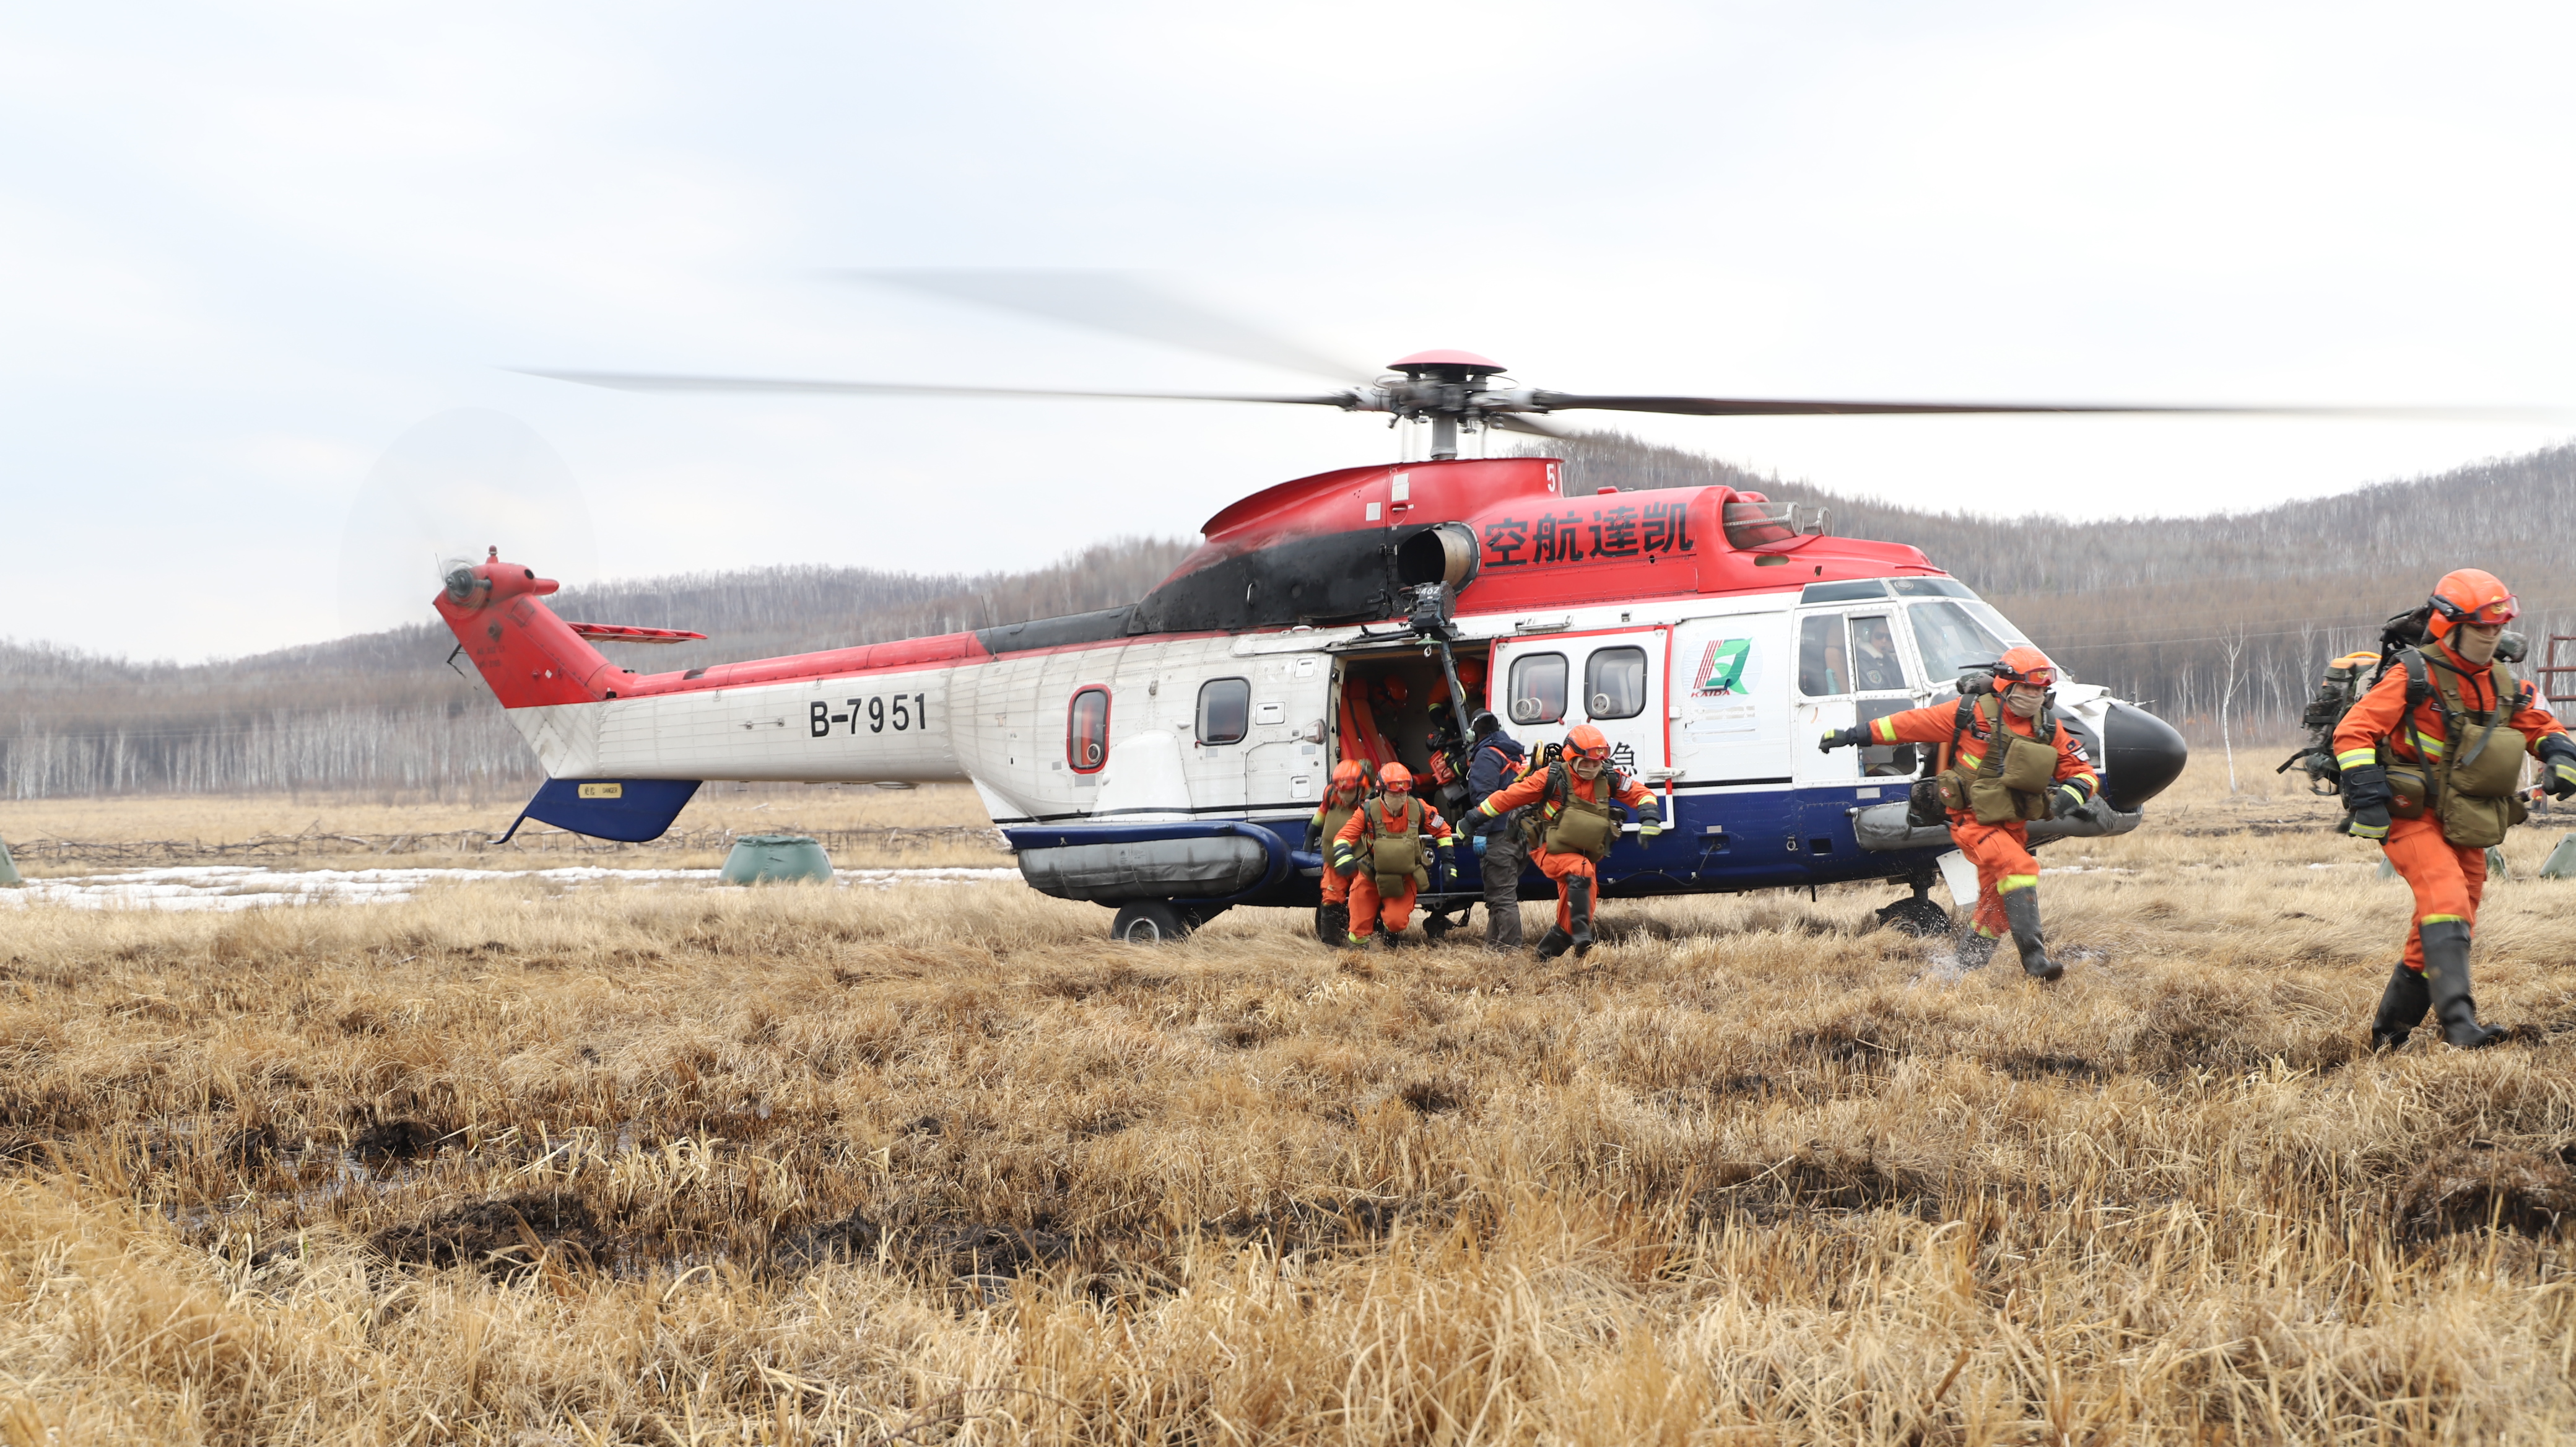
(2231, 642)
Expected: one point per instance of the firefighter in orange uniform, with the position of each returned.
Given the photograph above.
(2430, 759)
(1574, 827)
(2012, 762)
(1381, 849)
(1342, 799)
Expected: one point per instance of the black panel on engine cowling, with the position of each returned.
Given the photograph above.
(1338, 578)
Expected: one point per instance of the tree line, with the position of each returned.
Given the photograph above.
(2188, 614)
(2236, 612)
(385, 711)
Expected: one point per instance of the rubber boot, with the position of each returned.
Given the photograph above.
(1333, 923)
(2021, 910)
(2401, 1008)
(1578, 901)
(1555, 942)
(1974, 949)
(2446, 975)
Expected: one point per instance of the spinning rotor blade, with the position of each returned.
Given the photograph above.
(657, 382)
(1121, 302)
(1521, 422)
(1799, 407)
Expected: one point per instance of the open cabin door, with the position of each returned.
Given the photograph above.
(1613, 680)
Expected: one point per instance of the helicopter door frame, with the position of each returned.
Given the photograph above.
(1646, 736)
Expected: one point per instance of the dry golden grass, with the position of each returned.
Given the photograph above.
(745, 809)
(943, 1165)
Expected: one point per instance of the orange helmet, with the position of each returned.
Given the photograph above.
(1584, 741)
(1350, 774)
(2025, 664)
(1471, 673)
(2470, 595)
(1396, 778)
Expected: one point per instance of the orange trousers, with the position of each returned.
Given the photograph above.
(1337, 885)
(2001, 853)
(1395, 911)
(1562, 867)
(2448, 880)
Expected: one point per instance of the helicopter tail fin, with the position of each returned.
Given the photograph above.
(528, 657)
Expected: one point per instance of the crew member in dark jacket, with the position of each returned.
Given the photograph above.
(1493, 763)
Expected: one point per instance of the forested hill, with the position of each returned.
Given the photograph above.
(2151, 607)
(383, 711)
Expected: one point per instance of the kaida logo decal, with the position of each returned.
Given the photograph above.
(1721, 668)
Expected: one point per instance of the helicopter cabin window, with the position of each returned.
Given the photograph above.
(1824, 666)
(1929, 588)
(1538, 688)
(1225, 710)
(1614, 682)
(1952, 639)
(1874, 665)
(1086, 730)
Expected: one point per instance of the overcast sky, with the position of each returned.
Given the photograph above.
(245, 252)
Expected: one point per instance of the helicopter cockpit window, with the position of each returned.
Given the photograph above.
(1538, 688)
(1929, 588)
(1614, 683)
(1952, 640)
(1824, 665)
(1874, 665)
(1086, 730)
(1225, 710)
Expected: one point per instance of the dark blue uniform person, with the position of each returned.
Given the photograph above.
(1492, 764)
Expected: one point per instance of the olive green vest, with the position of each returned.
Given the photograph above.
(1396, 855)
(2011, 781)
(2468, 776)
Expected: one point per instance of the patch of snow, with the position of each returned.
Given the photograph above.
(245, 886)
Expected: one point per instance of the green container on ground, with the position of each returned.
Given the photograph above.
(776, 859)
(2561, 863)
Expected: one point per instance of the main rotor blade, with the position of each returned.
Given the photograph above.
(1121, 302)
(1523, 422)
(659, 382)
(1800, 407)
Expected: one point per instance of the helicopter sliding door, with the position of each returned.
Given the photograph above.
(1613, 681)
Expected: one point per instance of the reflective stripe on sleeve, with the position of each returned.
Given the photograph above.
(1883, 728)
(2356, 758)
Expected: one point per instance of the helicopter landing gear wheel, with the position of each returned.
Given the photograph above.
(1150, 922)
(1921, 916)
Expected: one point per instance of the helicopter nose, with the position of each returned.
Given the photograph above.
(2141, 754)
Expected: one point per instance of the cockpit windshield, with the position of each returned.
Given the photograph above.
(1952, 639)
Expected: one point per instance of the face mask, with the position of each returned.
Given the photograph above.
(1588, 768)
(2476, 645)
(2024, 702)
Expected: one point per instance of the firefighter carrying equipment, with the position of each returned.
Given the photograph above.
(1574, 820)
(2008, 783)
(2428, 750)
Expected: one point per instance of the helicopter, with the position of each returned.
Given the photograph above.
(1162, 758)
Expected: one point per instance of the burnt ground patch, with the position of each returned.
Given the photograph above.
(2470, 1187)
(1818, 1180)
(503, 1238)
(396, 1140)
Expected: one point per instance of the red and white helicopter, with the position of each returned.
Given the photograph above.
(1163, 758)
